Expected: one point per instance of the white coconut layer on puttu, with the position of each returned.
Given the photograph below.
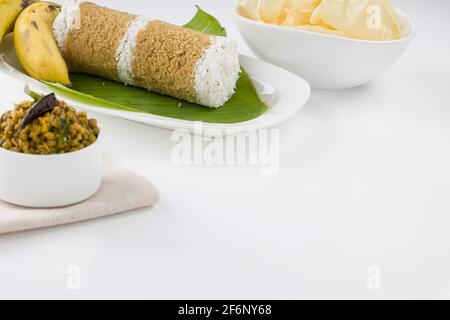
(213, 74)
(217, 72)
(125, 52)
(68, 19)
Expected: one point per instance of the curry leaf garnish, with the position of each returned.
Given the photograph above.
(63, 131)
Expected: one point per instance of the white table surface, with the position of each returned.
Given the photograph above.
(364, 180)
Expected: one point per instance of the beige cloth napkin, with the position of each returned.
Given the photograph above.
(121, 191)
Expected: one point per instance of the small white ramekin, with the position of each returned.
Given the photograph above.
(50, 181)
(327, 62)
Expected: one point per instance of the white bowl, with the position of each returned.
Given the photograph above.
(50, 181)
(327, 62)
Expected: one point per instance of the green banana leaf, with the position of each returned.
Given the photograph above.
(243, 106)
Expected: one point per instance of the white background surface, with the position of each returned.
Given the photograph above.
(364, 180)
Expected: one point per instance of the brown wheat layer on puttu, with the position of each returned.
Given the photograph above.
(92, 47)
(151, 54)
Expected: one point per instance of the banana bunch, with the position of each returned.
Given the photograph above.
(36, 46)
(9, 11)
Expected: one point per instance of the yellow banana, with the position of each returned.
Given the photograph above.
(36, 46)
(9, 11)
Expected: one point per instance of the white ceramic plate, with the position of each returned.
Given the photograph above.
(285, 93)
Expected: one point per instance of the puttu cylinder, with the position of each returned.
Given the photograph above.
(146, 53)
